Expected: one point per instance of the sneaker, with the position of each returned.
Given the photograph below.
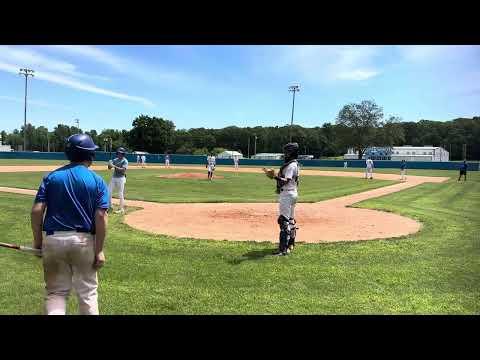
(279, 253)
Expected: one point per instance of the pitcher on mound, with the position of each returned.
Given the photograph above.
(287, 190)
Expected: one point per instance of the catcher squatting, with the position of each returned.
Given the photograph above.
(287, 188)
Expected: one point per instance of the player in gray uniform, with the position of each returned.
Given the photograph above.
(287, 188)
(119, 177)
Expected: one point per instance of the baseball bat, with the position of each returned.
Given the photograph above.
(25, 249)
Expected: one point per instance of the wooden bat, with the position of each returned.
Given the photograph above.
(25, 249)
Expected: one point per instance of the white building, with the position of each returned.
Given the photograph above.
(4, 148)
(229, 154)
(268, 156)
(407, 153)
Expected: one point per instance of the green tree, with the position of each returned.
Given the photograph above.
(358, 125)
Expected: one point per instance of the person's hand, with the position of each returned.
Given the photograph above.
(99, 260)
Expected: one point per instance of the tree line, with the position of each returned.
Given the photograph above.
(358, 126)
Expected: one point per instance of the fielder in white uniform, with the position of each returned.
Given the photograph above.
(235, 162)
(138, 160)
(369, 169)
(211, 163)
(144, 161)
(167, 160)
(119, 178)
(287, 190)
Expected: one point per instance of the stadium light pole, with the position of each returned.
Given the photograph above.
(78, 124)
(26, 73)
(255, 148)
(293, 89)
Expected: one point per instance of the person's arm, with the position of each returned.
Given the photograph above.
(101, 221)
(36, 218)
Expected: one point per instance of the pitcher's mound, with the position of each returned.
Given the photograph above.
(198, 176)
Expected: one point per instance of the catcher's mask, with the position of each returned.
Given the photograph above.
(290, 151)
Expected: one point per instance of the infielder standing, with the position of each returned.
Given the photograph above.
(211, 162)
(144, 160)
(120, 165)
(369, 169)
(463, 171)
(167, 160)
(403, 169)
(75, 224)
(138, 160)
(235, 161)
(287, 188)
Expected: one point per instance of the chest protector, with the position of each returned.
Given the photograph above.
(281, 174)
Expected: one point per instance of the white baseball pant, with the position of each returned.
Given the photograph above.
(368, 171)
(117, 183)
(68, 258)
(287, 201)
(402, 175)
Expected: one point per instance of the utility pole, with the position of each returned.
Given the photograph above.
(293, 89)
(26, 73)
(78, 124)
(248, 146)
(255, 148)
(48, 142)
(464, 151)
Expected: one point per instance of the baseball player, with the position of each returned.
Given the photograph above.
(167, 160)
(345, 164)
(119, 177)
(403, 170)
(144, 161)
(287, 188)
(369, 169)
(138, 160)
(211, 163)
(463, 171)
(76, 202)
(235, 161)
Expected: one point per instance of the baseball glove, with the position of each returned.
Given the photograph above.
(269, 172)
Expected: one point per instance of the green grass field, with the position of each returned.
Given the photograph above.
(436, 271)
(144, 184)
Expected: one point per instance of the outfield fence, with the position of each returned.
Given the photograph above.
(201, 159)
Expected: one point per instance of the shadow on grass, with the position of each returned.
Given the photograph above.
(252, 255)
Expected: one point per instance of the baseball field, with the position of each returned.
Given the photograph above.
(421, 257)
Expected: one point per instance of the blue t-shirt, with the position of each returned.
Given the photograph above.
(403, 166)
(72, 193)
(464, 167)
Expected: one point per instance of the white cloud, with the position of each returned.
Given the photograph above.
(436, 53)
(31, 58)
(34, 102)
(158, 74)
(322, 63)
(94, 54)
(76, 84)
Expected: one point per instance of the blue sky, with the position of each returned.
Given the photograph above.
(218, 86)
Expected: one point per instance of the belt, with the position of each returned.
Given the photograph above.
(51, 232)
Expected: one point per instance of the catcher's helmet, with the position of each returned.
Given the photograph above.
(291, 151)
(121, 150)
(80, 147)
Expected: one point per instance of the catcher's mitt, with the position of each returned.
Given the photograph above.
(269, 172)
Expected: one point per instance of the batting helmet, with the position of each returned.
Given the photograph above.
(121, 150)
(291, 151)
(80, 147)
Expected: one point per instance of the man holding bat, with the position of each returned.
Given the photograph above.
(287, 185)
(76, 201)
